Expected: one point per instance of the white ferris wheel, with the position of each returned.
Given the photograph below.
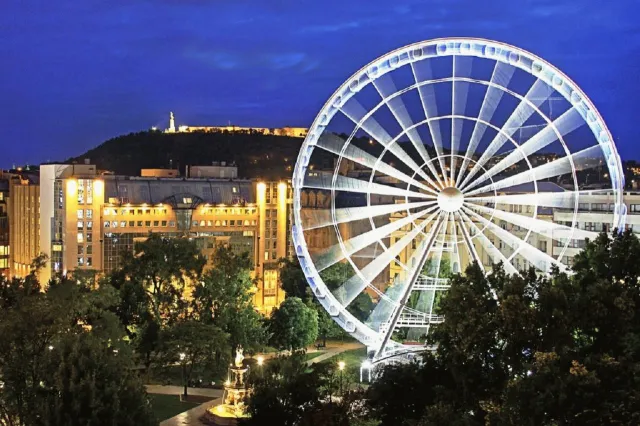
(435, 155)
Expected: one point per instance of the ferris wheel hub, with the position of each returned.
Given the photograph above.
(450, 199)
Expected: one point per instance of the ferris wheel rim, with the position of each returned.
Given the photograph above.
(353, 325)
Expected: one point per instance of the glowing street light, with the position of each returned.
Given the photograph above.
(341, 365)
(260, 360)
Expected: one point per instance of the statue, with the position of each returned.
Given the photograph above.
(239, 356)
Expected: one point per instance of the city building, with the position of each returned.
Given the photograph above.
(23, 211)
(5, 261)
(93, 218)
(296, 132)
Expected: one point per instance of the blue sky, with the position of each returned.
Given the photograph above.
(75, 73)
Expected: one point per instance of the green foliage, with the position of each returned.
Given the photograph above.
(287, 392)
(224, 299)
(159, 269)
(293, 325)
(550, 350)
(67, 364)
(294, 283)
(195, 345)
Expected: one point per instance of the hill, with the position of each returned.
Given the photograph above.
(256, 155)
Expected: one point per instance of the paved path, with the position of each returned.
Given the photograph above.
(190, 417)
(332, 351)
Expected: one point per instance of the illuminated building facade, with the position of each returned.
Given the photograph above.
(4, 227)
(23, 212)
(94, 218)
(296, 132)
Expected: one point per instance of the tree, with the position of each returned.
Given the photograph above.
(533, 349)
(162, 267)
(151, 284)
(293, 325)
(288, 392)
(225, 299)
(67, 364)
(294, 283)
(195, 346)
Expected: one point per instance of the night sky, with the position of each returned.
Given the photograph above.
(77, 72)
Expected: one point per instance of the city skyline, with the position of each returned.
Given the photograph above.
(76, 76)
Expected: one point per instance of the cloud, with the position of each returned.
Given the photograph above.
(223, 60)
(331, 28)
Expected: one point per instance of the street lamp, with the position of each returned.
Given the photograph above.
(260, 360)
(341, 366)
(184, 373)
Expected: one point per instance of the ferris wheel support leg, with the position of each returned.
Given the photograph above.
(405, 296)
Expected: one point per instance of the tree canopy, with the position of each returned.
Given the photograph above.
(549, 350)
(293, 325)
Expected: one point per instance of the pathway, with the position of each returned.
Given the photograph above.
(333, 350)
(190, 417)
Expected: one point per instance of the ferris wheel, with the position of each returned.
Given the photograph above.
(436, 155)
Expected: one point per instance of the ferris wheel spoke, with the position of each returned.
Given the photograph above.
(454, 242)
(563, 200)
(410, 283)
(357, 283)
(580, 160)
(323, 180)
(317, 218)
(384, 309)
(539, 259)
(492, 251)
(389, 94)
(537, 94)
(365, 120)
(541, 227)
(338, 252)
(459, 93)
(473, 253)
(335, 144)
(566, 123)
(422, 73)
(500, 78)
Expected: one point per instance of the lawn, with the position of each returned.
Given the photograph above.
(352, 358)
(166, 406)
(311, 355)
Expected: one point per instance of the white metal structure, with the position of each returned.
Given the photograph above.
(425, 164)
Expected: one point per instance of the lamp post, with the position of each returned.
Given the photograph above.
(184, 374)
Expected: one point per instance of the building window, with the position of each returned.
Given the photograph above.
(147, 223)
(80, 261)
(132, 223)
(156, 223)
(123, 223)
(635, 207)
(114, 224)
(88, 261)
(90, 225)
(139, 223)
(80, 213)
(89, 237)
(80, 250)
(164, 223)
(172, 224)
(80, 237)
(266, 255)
(80, 224)
(89, 214)
(89, 249)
